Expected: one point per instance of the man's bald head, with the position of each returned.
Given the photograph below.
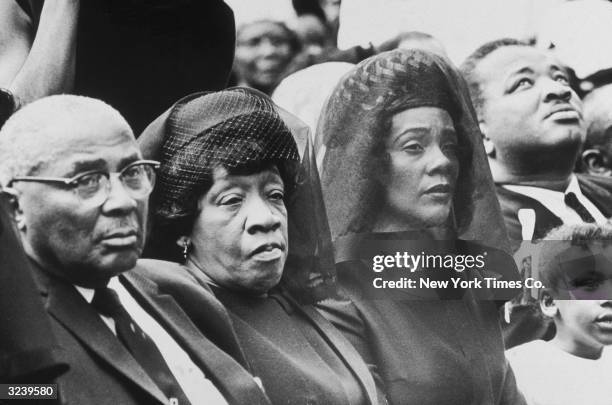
(44, 130)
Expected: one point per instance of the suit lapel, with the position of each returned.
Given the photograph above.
(71, 310)
(235, 383)
(599, 195)
(511, 202)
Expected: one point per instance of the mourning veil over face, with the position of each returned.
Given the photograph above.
(356, 121)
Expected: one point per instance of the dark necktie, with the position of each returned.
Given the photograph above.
(140, 345)
(572, 201)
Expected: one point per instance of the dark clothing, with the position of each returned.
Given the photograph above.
(297, 353)
(294, 361)
(101, 369)
(426, 351)
(142, 56)
(28, 352)
(598, 189)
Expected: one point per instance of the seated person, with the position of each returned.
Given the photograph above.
(237, 204)
(533, 130)
(574, 367)
(596, 155)
(80, 189)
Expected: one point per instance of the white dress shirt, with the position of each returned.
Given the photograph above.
(192, 380)
(554, 201)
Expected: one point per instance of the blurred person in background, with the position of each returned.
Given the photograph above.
(596, 157)
(327, 11)
(313, 34)
(264, 50)
(139, 56)
(268, 50)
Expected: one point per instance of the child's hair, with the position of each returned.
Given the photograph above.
(557, 243)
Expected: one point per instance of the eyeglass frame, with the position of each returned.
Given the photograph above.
(70, 182)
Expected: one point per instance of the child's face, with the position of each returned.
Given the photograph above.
(586, 322)
(586, 317)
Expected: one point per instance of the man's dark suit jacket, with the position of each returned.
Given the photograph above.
(103, 372)
(28, 353)
(597, 189)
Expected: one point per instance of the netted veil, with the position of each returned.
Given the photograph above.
(356, 119)
(238, 126)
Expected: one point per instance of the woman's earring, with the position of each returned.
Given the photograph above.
(185, 243)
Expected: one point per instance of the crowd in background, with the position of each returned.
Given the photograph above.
(189, 190)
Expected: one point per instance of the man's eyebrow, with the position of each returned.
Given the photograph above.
(557, 68)
(128, 160)
(525, 69)
(88, 165)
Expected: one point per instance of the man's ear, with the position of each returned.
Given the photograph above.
(488, 144)
(548, 305)
(594, 162)
(13, 197)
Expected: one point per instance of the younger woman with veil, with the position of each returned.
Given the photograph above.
(404, 161)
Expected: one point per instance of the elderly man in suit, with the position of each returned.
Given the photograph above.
(533, 129)
(80, 189)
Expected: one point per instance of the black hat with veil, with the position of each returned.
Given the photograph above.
(356, 120)
(239, 128)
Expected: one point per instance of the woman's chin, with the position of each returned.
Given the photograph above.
(436, 216)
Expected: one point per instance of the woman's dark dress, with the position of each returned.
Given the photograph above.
(285, 350)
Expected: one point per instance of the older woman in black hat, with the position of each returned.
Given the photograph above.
(238, 203)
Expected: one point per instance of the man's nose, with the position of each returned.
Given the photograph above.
(119, 200)
(555, 90)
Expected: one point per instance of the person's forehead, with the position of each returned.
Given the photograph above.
(422, 116)
(107, 142)
(221, 176)
(507, 60)
(261, 30)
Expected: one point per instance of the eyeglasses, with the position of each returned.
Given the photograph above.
(94, 187)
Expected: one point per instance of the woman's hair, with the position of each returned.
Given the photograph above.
(238, 130)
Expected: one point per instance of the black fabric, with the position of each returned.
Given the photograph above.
(571, 200)
(292, 357)
(29, 352)
(138, 343)
(142, 55)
